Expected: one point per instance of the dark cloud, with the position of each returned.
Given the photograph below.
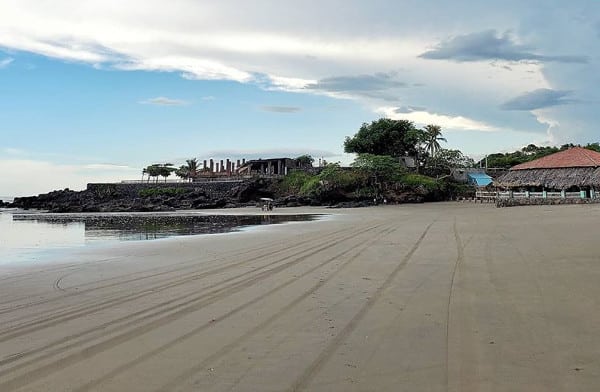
(409, 109)
(488, 45)
(538, 99)
(269, 153)
(358, 83)
(281, 109)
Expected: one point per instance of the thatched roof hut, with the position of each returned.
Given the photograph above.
(575, 167)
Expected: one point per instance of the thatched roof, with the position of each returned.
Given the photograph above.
(559, 178)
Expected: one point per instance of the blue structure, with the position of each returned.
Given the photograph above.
(479, 179)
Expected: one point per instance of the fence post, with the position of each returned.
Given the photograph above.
(592, 193)
(563, 194)
(582, 194)
(544, 194)
(527, 194)
(510, 194)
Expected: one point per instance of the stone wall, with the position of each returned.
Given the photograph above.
(514, 202)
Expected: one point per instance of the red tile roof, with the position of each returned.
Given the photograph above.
(573, 157)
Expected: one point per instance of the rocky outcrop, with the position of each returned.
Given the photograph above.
(143, 197)
(147, 197)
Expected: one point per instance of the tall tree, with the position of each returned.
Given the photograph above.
(305, 161)
(385, 137)
(192, 168)
(183, 172)
(380, 169)
(432, 139)
(165, 170)
(159, 170)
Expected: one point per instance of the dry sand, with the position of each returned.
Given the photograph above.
(436, 297)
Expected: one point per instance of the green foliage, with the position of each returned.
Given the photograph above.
(294, 181)
(381, 168)
(529, 153)
(385, 137)
(305, 160)
(418, 180)
(311, 186)
(333, 176)
(444, 160)
(593, 146)
(161, 192)
(159, 170)
(432, 138)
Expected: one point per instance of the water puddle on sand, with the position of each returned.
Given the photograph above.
(29, 237)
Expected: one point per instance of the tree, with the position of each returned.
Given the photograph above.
(191, 166)
(593, 146)
(380, 168)
(182, 172)
(152, 171)
(385, 136)
(165, 170)
(305, 161)
(432, 138)
(446, 159)
(159, 170)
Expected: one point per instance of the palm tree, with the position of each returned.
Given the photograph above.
(192, 168)
(183, 172)
(433, 135)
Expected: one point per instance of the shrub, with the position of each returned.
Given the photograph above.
(418, 180)
(295, 181)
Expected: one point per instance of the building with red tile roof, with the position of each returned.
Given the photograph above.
(573, 157)
(574, 169)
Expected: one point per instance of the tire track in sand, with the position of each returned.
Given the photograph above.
(306, 377)
(57, 318)
(204, 300)
(103, 328)
(289, 307)
(129, 281)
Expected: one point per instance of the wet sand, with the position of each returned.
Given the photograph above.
(434, 297)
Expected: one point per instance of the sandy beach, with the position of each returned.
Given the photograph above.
(433, 297)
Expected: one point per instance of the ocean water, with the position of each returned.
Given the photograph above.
(26, 237)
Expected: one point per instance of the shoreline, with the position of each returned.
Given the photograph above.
(46, 255)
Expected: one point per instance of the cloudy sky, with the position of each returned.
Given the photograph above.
(95, 90)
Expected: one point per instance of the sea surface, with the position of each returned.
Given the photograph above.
(27, 237)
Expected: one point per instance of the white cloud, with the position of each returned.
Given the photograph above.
(17, 175)
(12, 151)
(279, 47)
(164, 101)
(6, 62)
(449, 123)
